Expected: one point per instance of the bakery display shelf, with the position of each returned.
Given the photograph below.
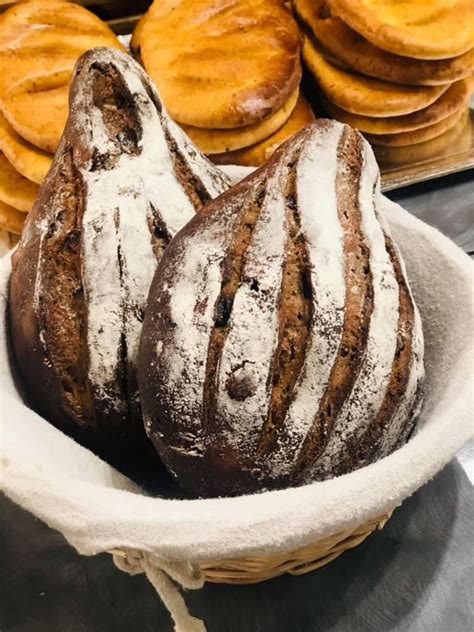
(458, 156)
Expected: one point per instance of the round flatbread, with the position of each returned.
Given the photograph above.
(434, 29)
(35, 71)
(43, 129)
(215, 141)
(15, 190)
(347, 48)
(31, 162)
(259, 153)
(221, 64)
(39, 45)
(11, 220)
(453, 100)
(456, 140)
(417, 136)
(364, 95)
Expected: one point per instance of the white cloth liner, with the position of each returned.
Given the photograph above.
(97, 509)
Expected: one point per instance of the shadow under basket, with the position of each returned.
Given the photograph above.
(252, 570)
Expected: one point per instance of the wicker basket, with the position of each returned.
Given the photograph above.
(252, 570)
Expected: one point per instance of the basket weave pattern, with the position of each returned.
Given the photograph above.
(251, 570)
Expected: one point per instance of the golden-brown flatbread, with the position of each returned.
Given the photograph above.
(221, 64)
(39, 117)
(417, 136)
(424, 29)
(40, 42)
(61, 17)
(453, 100)
(456, 140)
(215, 141)
(365, 95)
(15, 190)
(31, 162)
(11, 220)
(259, 153)
(41, 67)
(347, 48)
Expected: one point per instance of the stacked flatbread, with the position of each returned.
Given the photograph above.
(400, 72)
(40, 42)
(228, 73)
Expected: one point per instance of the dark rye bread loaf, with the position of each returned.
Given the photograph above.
(281, 342)
(124, 180)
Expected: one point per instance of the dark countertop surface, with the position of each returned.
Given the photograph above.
(416, 575)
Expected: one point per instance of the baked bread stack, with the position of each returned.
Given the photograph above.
(39, 44)
(124, 180)
(281, 343)
(399, 72)
(228, 73)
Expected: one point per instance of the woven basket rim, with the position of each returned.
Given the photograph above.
(299, 561)
(190, 529)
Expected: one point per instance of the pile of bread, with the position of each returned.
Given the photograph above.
(259, 336)
(229, 74)
(39, 44)
(400, 72)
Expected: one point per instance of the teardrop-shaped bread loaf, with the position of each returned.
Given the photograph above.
(124, 180)
(281, 342)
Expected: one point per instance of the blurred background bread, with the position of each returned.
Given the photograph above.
(40, 42)
(230, 74)
(399, 72)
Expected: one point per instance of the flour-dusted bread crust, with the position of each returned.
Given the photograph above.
(281, 342)
(124, 180)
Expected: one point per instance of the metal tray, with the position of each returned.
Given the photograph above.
(450, 153)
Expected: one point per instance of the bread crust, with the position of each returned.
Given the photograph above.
(453, 100)
(280, 330)
(419, 29)
(122, 183)
(39, 45)
(365, 95)
(349, 49)
(239, 64)
(257, 154)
